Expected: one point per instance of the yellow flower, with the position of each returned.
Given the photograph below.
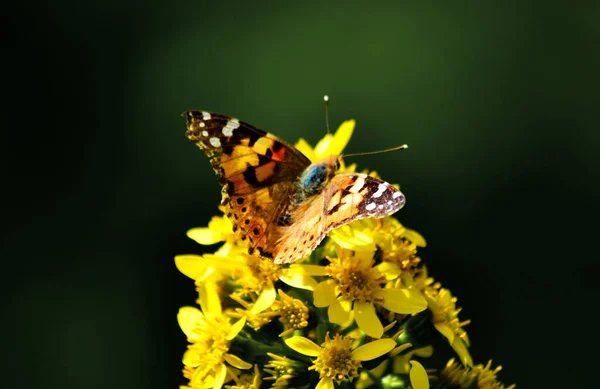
(355, 286)
(282, 370)
(445, 319)
(293, 313)
(330, 145)
(462, 377)
(254, 320)
(255, 275)
(397, 244)
(247, 381)
(219, 230)
(337, 358)
(208, 358)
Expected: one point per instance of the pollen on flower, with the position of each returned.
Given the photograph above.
(404, 254)
(293, 313)
(335, 360)
(355, 276)
(210, 344)
(445, 311)
(256, 274)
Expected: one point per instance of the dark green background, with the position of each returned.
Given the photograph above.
(499, 104)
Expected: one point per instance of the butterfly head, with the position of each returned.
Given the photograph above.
(333, 163)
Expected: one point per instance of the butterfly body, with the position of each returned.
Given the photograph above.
(314, 178)
(279, 202)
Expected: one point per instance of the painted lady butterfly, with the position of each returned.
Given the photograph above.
(277, 200)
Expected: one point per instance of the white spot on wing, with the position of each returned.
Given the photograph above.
(370, 206)
(202, 124)
(381, 206)
(206, 115)
(382, 187)
(215, 142)
(230, 126)
(204, 133)
(396, 195)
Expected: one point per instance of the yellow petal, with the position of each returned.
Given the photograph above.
(191, 266)
(220, 375)
(445, 330)
(373, 349)
(390, 270)
(337, 313)
(224, 265)
(405, 301)
(188, 317)
(236, 361)
(335, 144)
(236, 328)
(459, 346)
(414, 237)
(306, 149)
(325, 383)
(191, 358)
(353, 239)
(303, 346)
(367, 320)
(310, 270)
(265, 300)
(322, 149)
(364, 258)
(324, 294)
(418, 376)
(342, 137)
(204, 382)
(380, 369)
(209, 298)
(205, 235)
(297, 280)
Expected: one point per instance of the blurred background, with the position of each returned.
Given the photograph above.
(499, 104)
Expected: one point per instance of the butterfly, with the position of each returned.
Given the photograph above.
(279, 202)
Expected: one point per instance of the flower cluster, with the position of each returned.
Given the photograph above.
(361, 311)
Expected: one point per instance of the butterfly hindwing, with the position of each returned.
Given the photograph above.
(347, 197)
(354, 196)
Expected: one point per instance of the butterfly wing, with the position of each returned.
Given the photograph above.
(347, 197)
(257, 171)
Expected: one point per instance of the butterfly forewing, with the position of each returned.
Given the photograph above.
(257, 171)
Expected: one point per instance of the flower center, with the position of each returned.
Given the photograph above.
(293, 313)
(335, 360)
(256, 274)
(355, 282)
(213, 343)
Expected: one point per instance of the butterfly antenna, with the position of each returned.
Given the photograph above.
(402, 147)
(326, 100)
